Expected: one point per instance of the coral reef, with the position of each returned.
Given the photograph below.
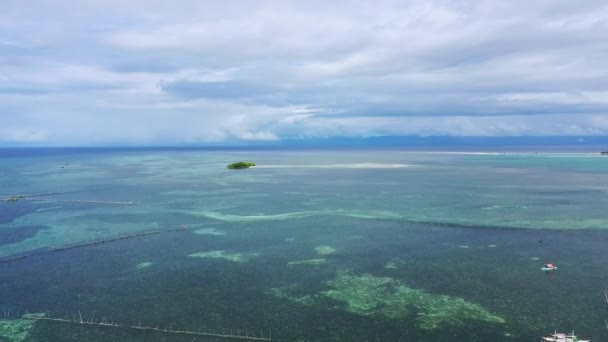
(319, 261)
(19, 329)
(209, 231)
(367, 295)
(325, 250)
(144, 264)
(234, 257)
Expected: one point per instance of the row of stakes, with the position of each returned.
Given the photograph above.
(606, 300)
(243, 335)
(238, 334)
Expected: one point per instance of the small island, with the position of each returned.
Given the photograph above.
(241, 165)
(604, 153)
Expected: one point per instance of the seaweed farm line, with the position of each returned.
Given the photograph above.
(18, 196)
(32, 198)
(606, 300)
(90, 243)
(99, 202)
(21, 197)
(239, 334)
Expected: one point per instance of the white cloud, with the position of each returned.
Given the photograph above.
(196, 71)
(18, 135)
(516, 125)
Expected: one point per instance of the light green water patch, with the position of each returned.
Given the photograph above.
(290, 239)
(506, 207)
(92, 214)
(296, 215)
(220, 182)
(394, 264)
(252, 195)
(48, 208)
(318, 261)
(72, 232)
(285, 293)
(367, 295)
(209, 231)
(499, 222)
(69, 176)
(391, 265)
(248, 176)
(325, 250)
(431, 217)
(186, 193)
(144, 264)
(81, 225)
(337, 166)
(17, 330)
(299, 193)
(234, 257)
(594, 223)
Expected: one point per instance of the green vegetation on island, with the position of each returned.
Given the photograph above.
(241, 165)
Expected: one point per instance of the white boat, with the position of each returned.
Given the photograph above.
(548, 267)
(560, 337)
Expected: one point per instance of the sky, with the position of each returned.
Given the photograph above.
(143, 72)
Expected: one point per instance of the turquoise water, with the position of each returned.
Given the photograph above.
(350, 245)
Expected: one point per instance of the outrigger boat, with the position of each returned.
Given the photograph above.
(559, 337)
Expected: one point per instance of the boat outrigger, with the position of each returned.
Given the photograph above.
(548, 267)
(560, 337)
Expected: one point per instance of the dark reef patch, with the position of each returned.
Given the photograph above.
(9, 211)
(18, 234)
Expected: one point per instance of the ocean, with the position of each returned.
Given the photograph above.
(364, 244)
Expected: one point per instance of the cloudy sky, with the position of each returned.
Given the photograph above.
(211, 72)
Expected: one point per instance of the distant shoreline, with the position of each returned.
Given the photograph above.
(453, 149)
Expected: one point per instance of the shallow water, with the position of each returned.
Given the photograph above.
(424, 246)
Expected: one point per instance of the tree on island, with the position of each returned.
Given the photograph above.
(241, 165)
